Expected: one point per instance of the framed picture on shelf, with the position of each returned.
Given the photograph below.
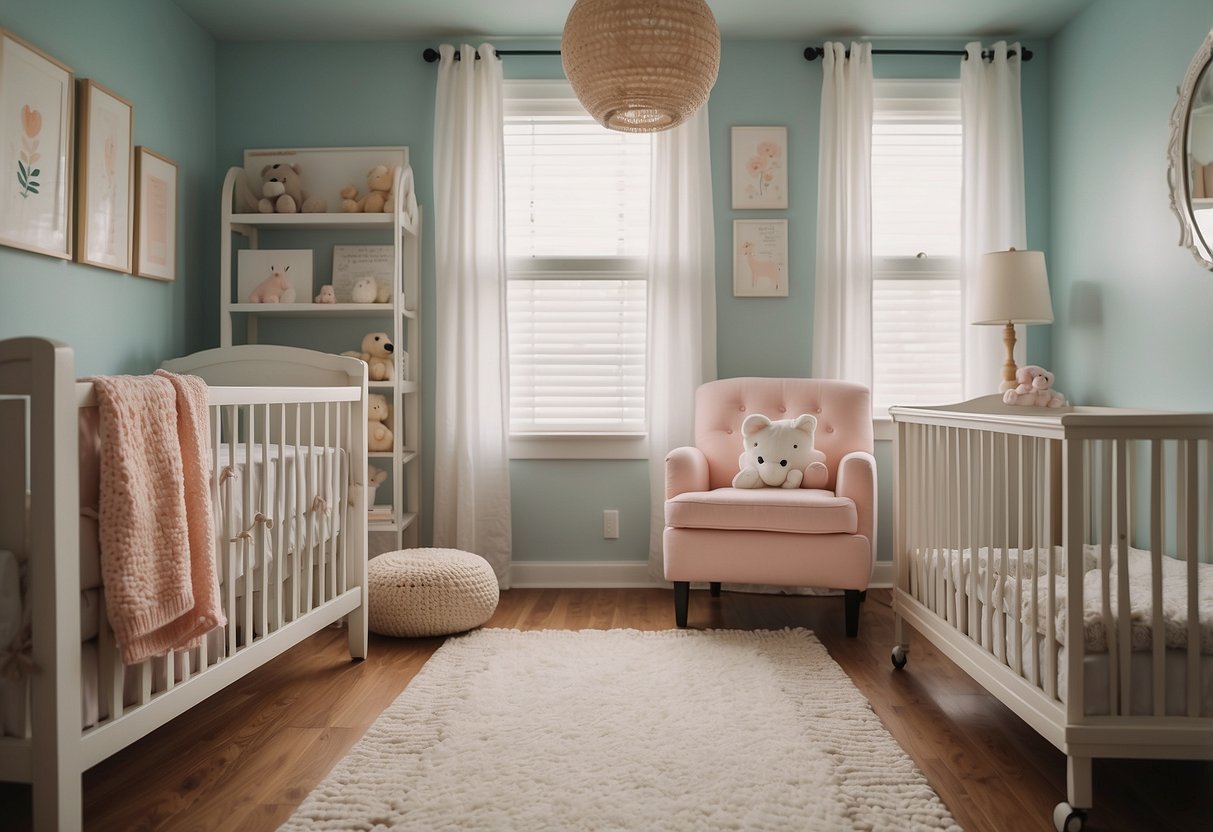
(155, 215)
(760, 167)
(37, 106)
(760, 258)
(355, 264)
(274, 275)
(103, 178)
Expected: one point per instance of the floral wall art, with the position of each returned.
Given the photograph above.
(104, 200)
(36, 105)
(760, 167)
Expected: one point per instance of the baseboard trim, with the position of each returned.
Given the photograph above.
(617, 574)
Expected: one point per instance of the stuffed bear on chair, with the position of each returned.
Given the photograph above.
(780, 453)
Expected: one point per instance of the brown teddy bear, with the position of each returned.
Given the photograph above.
(280, 192)
(378, 198)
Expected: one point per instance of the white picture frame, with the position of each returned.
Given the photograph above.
(352, 263)
(760, 258)
(759, 167)
(256, 265)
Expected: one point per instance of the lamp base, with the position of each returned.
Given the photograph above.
(1008, 367)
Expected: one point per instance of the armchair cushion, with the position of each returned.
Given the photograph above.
(800, 510)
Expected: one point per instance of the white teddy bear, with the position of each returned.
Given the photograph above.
(377, 351)
(780, 453)
(1035, 389)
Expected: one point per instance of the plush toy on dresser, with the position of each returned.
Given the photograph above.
(378, 434)
(780, 453)
(377, 352)
(1035, 389)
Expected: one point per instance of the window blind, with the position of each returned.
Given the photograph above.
(577, 224)
(916, 197)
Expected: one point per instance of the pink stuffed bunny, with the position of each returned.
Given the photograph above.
(1035, 389)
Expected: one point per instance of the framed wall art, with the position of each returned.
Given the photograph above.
(760, 258)
(760, 167)
(155, 215)
(103, 178)
(37, 106)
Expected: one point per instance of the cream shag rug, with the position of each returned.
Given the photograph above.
(627, 730)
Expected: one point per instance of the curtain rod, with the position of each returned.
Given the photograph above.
(431, 54)
(812, 53)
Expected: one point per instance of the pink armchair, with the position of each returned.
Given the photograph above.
(821, 537)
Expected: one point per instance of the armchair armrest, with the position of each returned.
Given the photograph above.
(686, 469)
(857, 481)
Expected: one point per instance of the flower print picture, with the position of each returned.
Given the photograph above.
(760, 167)
(27, 159)
(36, 106)
(104, 224)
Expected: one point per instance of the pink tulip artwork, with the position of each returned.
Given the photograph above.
(27, 159)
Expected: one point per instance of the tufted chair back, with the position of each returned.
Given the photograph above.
(843, 410)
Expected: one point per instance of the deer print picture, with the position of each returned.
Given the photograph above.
(760, 258)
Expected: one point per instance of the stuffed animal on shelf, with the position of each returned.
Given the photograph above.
(374, 478)
(378, 434)
(327, 295)
(280, 191)
(364, 290)
(378, 198)
(1035, 389)
(274, 289)
(377, 349)
(780, 453)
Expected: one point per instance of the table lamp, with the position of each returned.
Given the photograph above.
(1012, 288)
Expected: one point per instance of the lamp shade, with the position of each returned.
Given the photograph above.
(1012, 286)
(640, 66)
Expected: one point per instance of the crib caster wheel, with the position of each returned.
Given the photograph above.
(899, 657)
(1068, 819)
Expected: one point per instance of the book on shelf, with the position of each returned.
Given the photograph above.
(379, 513)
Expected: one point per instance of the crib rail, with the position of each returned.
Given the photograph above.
(1008, 523)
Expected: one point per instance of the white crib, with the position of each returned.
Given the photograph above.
(288, 443)
(1007, 517)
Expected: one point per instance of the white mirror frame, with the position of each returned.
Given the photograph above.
(1177, 159)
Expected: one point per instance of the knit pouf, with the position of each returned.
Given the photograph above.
(429, 592)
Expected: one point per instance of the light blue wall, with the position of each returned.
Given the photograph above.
(380, 93)
(1132, 307)
(150, 53)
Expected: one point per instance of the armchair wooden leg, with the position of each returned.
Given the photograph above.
(714, 588)
(682, 599)
(851, 598)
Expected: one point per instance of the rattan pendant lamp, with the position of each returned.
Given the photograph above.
(640, 66)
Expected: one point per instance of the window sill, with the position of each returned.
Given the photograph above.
(579, 446)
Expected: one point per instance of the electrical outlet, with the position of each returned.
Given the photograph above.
(610, 523)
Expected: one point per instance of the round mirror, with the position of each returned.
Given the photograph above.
(1190, 155)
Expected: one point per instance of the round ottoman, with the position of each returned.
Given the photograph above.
(429, 592)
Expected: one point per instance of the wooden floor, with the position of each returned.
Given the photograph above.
(246, 757)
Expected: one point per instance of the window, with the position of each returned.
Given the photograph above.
(576, 226)
(916, 303)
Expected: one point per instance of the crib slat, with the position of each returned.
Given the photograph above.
(1122, 574)
(310, 488)
(248, 513)
(972, 483)
(296, 549)
(1156, 546)
(214, 414)
(233, 549)
(990, 608)
(1051, 570)
(1188, 538)
(1105, 578)
(264, 550)
(281, 528)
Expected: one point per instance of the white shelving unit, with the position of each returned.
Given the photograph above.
(325, 170)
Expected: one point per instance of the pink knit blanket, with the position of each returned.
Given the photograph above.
(156, 528)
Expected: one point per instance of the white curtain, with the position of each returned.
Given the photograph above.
(471, 460)
(681, 330)
(842, 314)
(992, 210)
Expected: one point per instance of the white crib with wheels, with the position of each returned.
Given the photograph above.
(288, 461)
(1008, 518)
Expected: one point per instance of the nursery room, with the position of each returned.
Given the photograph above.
(606, 415)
